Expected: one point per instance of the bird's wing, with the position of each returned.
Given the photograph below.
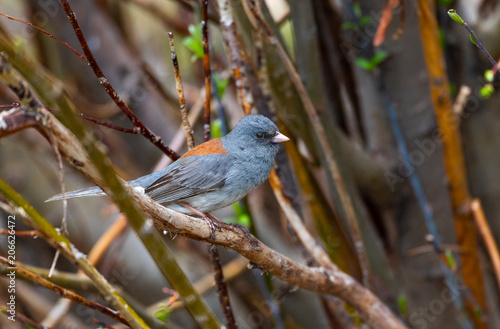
(192, 176)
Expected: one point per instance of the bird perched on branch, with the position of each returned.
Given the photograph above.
(214, 174)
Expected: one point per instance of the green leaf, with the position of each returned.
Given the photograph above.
(349, 26)
(19, 43)
(220, 84)
(402, 305)
(215, 128)
(445, 2)
(163, 313)
(364, 63)
(379, 58)
(365, 20)
(454, 16)
(489, 75)
(193, 42)
(450, 259)
(486, 91)
(371, 64)
(357, 9)
(472, 39)
(478, 313)
(242, 216)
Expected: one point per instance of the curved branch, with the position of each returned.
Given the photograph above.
(326, 281)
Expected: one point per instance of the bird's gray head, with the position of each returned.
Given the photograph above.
(254, 136)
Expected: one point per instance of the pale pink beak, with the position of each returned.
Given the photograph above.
(280, 138)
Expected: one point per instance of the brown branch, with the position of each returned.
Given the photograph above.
(65, 293)
(180, 93)
(325, 281)
(156, 140)
(321, 280)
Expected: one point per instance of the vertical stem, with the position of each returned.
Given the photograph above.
(206, 67)
(180, 93)
(220, 284)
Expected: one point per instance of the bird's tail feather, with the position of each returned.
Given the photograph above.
(86, 192)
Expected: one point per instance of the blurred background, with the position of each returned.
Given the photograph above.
(369, 70)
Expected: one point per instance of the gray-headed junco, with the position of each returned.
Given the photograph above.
(214, 174)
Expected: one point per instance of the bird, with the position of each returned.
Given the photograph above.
(212, 175)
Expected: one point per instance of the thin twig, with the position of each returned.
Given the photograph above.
(135, 130)
(180, 93)
(487, 236)
(65, 293)
(148, 134)
(206, 69)
(47, 33)
(453, 14)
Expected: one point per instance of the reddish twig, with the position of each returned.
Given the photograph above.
(206, 68)
(385, 21)
(47, 33)
(180, 93)
(156, 140)
(135, 130)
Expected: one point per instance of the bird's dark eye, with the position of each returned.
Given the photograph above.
(259, 135)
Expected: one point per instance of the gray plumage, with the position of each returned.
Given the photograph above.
(209, 181)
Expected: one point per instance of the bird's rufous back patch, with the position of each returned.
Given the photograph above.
(213, 146)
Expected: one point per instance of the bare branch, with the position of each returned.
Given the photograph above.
(180, 93)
